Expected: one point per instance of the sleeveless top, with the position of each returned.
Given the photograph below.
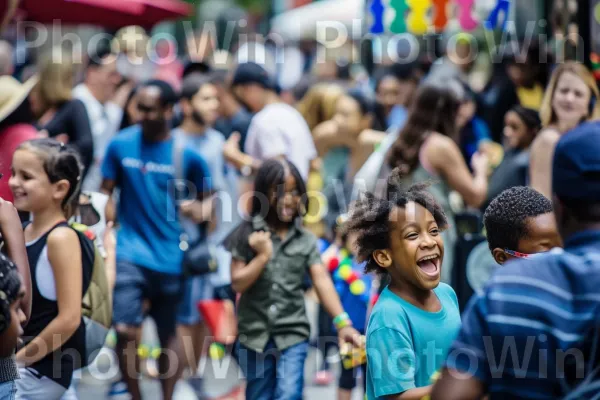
(60, 364)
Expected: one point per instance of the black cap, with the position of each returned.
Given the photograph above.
(251, 72)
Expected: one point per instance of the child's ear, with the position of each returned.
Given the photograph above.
(499, 255)
(383, 258)
(61, 189)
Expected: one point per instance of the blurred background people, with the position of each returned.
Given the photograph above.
(570, 99)
(59, 115)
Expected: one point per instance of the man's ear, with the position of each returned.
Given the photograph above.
(383, 258)
(500, 256)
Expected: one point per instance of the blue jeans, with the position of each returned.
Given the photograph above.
(8, 390)
(274, 374)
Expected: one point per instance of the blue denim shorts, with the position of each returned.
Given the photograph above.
(8, 390)
(195, 289)
(134, 285)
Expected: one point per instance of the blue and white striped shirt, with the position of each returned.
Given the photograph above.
(535, 330)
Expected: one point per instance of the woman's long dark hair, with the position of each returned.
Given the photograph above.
(434, 110)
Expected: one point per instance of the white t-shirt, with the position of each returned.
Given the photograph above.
(279, 129)
(105, 120)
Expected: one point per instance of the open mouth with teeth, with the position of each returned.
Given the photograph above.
(430, 265)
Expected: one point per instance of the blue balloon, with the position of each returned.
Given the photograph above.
(502, 6)
(377, 9)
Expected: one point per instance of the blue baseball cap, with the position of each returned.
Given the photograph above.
(576, 165)
(251, 72)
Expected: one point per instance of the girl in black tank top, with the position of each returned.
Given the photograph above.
(45, 182)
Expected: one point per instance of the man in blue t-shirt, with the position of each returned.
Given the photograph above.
(140, 163)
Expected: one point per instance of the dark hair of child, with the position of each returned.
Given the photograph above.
(505, 219)
(370, 217)
(270, 176)
(10, 285)
(60, 161)
(530, 117)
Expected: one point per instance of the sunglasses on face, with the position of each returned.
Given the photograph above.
(522, 255)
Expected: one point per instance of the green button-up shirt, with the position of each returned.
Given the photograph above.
(274, 306)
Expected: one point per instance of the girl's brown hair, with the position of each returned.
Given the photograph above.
(434, 110)
(547, 114)
(60, 162)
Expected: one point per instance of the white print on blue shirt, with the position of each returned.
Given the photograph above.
(148, 167)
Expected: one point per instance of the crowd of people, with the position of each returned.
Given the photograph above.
(216, 183)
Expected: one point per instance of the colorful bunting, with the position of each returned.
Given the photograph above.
(417, 18)
(465, 14)
(413, 15)
(399, 23)
(502, 7)
(377, 10)
(440, 14)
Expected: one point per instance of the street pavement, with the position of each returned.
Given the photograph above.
(221, 377)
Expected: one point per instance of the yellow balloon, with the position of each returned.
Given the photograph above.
(345, 271)
(357, 287)
(143, 351)
(156, 353)
(216, 351)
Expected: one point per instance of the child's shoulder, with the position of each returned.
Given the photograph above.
(388, 313)
(308, 235)
(446, 293)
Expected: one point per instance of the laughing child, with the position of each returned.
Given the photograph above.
(271, 255)
(416, 317)
(520, 223)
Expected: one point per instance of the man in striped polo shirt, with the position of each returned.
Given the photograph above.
(535, 330)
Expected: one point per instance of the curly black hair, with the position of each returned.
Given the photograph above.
(505, 219)
(369, 218)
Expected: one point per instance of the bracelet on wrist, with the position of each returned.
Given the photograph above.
(342, 321)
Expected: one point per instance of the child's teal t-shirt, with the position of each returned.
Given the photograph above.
(407, 345)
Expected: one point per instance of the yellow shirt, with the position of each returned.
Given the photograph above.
(531, 97)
